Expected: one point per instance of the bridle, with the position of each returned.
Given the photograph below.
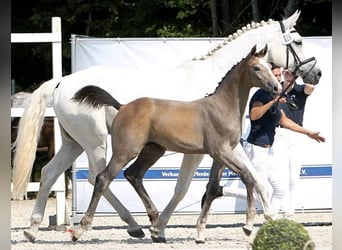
(288, 40)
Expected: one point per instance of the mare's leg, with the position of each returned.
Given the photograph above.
(189, 165)
(68, 152)
(150, 153)
(213, 191)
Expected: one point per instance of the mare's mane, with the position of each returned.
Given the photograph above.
(234, 36)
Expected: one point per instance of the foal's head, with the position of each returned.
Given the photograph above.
(260, 72)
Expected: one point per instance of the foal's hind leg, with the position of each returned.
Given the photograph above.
(97, 162)
(150, 153)
(68, 152)
(213, 191)
(102, 183)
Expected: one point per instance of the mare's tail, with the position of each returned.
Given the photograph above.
(95, 97)
(26, 142)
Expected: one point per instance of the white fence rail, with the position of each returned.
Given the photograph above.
(55, 38)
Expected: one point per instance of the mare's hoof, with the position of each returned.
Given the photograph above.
(74, 238)
(247, 230)
(158, 239)
(29, 236)
(136, 233)
(199, 241)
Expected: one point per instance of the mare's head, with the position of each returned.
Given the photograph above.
(287, 50)
(259, 72)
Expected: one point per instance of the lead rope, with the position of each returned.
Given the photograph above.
(283, 93)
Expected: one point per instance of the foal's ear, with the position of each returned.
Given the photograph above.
(252, 52)
(262, 52)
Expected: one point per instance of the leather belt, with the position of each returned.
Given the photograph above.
(266, 146)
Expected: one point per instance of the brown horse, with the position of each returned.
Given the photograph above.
(46, 141)
(148, 127)
(45, 145)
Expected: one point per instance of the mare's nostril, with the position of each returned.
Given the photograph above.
(319, 74)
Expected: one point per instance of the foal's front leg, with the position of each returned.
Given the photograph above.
(240, 164)
(252, 176)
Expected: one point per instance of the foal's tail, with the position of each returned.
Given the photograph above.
(95, 97)
(26, 142)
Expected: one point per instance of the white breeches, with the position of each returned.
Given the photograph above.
(287, 152)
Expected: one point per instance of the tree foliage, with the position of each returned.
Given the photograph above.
(31, 64)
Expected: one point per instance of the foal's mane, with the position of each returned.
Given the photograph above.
(229, 71)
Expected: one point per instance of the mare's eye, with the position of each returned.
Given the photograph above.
(300, 43)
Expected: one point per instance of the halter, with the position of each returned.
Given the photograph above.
(287, 40)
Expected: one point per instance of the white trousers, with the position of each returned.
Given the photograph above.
(265, 163)
(287, 151)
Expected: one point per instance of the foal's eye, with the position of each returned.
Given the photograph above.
(256, 68)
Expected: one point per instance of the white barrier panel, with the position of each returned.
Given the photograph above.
(315, 182)
(134, 53)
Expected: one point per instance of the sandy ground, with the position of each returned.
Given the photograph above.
(223, 231)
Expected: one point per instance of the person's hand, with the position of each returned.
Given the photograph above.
(316, 136)
(282, 99)
(279, 99)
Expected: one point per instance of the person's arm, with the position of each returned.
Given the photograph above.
(259, 109)
(289, 124)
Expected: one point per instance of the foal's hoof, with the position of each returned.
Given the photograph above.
(136, 233)
(247, 230)
(30, 236)
(158, 239)
(199, 241)
(270, 217)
